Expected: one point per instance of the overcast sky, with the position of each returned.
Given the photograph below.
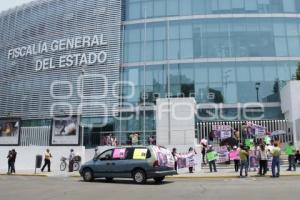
(6, 4)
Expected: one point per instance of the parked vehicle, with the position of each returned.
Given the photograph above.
(137, 162)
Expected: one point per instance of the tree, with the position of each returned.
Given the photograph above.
(298, 72)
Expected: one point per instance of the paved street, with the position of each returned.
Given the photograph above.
(43, 188)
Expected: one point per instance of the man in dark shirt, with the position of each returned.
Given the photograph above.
(13, 160)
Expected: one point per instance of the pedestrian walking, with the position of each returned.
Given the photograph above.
(291, 152)
(13, 161)
(244, 154)
(71, 160)
(174, 153)
(276, 152)
(47, 160)
(263, 160)
(211, 158)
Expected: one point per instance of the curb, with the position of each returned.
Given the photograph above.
(168, 177)
(37, 175)
(229, 176)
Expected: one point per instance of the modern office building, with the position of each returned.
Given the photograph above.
(107, 61)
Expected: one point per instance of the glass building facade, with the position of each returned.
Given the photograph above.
(222, 52)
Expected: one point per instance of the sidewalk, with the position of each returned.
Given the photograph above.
(222, 173)
(230, 173)
(41, 174)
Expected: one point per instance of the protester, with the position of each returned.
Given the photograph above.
(192, 162)
(134, 138)
(276, 152)
(203, 152)
(263, 160)
(211, 136)
(211, 162)
(174, 153)
(47, 160)
(151, 140)
(291, 151)
(9, 158)
(13, 161)
(244, 160)
(236, 159)
(236, 134)
(297, 157)
(71, 160)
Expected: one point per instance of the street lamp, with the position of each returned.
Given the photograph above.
(81, 104)
(257, 86)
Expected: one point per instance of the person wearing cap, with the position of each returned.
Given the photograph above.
(47, 160)
(71, 160)
(236, 159)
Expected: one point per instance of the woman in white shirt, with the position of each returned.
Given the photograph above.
(263, 160)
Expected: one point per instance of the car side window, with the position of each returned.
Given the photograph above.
(148, 154)
(129, 153)
(107, 155)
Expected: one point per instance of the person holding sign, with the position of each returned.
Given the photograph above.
(290, 150)
(234, 155)
(212, 156)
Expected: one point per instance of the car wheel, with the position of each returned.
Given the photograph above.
(139, 176)
(87, 175)
(109, 179)
(159, 179)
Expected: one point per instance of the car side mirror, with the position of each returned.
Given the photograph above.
(95, 159)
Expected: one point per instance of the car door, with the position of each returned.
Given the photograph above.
(122, 166)
(103, 164)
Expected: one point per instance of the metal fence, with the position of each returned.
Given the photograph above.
(204, 128)
(35, 136)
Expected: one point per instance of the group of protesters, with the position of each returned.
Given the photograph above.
(260, 154)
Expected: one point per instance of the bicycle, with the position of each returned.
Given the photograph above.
(76, 164)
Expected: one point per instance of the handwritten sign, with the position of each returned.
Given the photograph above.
(234, 155)
(119, 154)
(212, 156)
(139, 154)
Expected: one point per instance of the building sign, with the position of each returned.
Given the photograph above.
(9, 131)
(68, 60)
(65, 131)
(61, 59)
